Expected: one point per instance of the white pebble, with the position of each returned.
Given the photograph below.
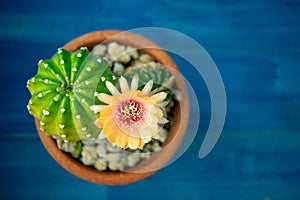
(145, 58)
(118, 69)
(100, 165)
(99, 50)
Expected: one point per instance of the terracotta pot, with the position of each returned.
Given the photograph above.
(158, 159)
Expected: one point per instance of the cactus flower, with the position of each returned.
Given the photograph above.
(131, 117)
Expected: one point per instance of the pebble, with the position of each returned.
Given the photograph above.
(156, 146)
(59, 142)
(99, 50)
(162, 135)
(68, 147)
(118, 69)
(124, 58)
(132, 52)
(145, 58)
(112, 148)
(113, 157)
(100, 165)
(114, 166)
(101, 151)
(133, 159)
(115, 50)
(87, 159)
(137, 63)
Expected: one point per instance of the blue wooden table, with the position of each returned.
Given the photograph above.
(256, 46)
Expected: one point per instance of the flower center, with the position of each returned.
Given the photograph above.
(129, 113)
(131, 110)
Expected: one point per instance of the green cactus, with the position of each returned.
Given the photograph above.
(162, 80)
(64, 89)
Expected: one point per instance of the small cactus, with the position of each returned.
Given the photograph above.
(162, 80)
(64, 89)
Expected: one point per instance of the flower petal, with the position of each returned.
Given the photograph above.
(112, 136)
(163, 121)
(147, 88)
(133, 141)
(123, 84)
(163, 103)
(159, 97)
(105, 98)
(134, 82)
(145, 134)
(97, 108)
(121, 139)
(113, 90)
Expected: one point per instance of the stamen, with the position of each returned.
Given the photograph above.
(130, 112)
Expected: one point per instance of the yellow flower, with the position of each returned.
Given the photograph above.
(131, 117)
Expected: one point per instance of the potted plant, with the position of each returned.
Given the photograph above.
(78, 97)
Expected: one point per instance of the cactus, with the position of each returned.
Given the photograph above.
(162, 80)
(64, 89)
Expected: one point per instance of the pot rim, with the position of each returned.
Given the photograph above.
(176, 132)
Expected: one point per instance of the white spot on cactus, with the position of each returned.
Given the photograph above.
(28, 108)
(77, 81)
(57, 75)
(78, 116)
(82, 100)
(83, 48)
(86, 82)
(74, 69)
(61, 126)
(88, 69)
(42, 123)
(57, 89)
(40, 61)
(79, 55)
(33, 80)
(45, 65)
(46, 81)
(72, 99)
(67, 78)
(62, 110)
(61, 61)
(67, 94)
(84, 128)
(96, 94)
(114, 77)
(59, 50)
(30, 102)
(42, 129)
(64, 136)
(40, 95)
(88, 135)
(102, 78)
(46, 112)
(79, 90)
(99, 60)
(55, 98)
